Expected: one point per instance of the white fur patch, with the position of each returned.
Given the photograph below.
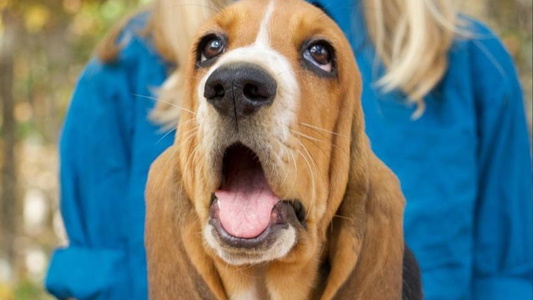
(251, 294)
(262, 39)
(266, 132)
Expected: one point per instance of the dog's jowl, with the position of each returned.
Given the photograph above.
(271, 190)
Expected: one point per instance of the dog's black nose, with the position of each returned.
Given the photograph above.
(240, 89)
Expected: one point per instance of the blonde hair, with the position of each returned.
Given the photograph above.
(411, 37)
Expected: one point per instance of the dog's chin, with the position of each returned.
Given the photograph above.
(248, 223)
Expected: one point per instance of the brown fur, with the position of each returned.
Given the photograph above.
(352, 247)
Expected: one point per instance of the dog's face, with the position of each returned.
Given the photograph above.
(271, 169)
(265, 132)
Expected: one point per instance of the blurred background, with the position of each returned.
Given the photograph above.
(44, 45)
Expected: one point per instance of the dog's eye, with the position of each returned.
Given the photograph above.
(210, 47)
(320, 55)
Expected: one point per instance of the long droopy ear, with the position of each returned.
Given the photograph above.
(366, 234)
(175, 254)
(378, 273)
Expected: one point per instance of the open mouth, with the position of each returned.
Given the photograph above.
(245, 207)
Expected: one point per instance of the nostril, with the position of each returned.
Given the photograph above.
(251, 92)
(255, 92)
(214, 91)
(218, 91)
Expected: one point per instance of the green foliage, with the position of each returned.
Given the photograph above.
(28, 290)
(48, 43)
(23, 290)
(53, 41)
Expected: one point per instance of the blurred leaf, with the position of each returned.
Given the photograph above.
(72, 6)
(1, 27)
(5, 292)
(27, 290)
(112, 10)
(36, 17)
(3, 5)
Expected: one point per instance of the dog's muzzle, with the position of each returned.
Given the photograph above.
(248, 222)
(238, 90)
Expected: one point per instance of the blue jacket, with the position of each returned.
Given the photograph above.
(464, 167)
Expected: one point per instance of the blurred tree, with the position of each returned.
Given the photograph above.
(8, 173)
(514, 20)
(43, 47)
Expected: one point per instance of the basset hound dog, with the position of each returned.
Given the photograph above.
(271, 190)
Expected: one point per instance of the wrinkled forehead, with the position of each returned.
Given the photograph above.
(278, 24)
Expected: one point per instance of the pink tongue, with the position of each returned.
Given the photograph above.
(246, 204)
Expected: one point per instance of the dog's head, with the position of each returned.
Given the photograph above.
(265, 135)
(272, 169)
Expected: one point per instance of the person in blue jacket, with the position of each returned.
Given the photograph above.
(443, 110)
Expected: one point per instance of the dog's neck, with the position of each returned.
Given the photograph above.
(252, 283)
(273, 281)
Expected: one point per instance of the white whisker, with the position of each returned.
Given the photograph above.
(165, 135)
(321, 129)
(320, 141)
(311, 171)
(314, 140)
(306, 136)
(192, 157)
(189, 134)
(279, 160)
(295, 169)
(164, 101)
